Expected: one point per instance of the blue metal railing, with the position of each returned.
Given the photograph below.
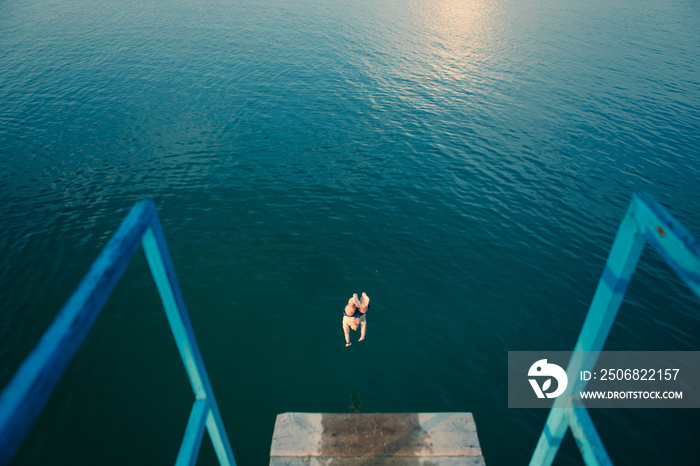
(646, 221)
(27, 392)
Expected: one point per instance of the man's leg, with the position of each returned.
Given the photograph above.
(346, 330)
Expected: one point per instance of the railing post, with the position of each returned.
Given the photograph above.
(163, 272)
(644, 221)
(24, 397)
(622, 260)
(189, 448)
(27, 392)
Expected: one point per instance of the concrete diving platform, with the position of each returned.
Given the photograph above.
(445, 439)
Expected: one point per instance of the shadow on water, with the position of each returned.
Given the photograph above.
(355, 406)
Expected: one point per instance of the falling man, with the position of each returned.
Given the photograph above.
(354, 316)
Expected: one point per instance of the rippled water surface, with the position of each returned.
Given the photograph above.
(465, 163)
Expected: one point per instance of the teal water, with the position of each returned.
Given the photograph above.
(465, 163)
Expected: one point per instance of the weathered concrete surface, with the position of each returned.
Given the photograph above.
(373, 439)
(377, 461)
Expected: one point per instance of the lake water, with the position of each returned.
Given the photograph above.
(466, 163)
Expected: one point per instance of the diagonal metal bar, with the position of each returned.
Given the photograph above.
(27, 392)
(622, 260)
(671, 240)
(163, 272)
(189, 448)
(589, 443)
(32, 384)
(551, 437)
(645, 221)
(219, 439)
